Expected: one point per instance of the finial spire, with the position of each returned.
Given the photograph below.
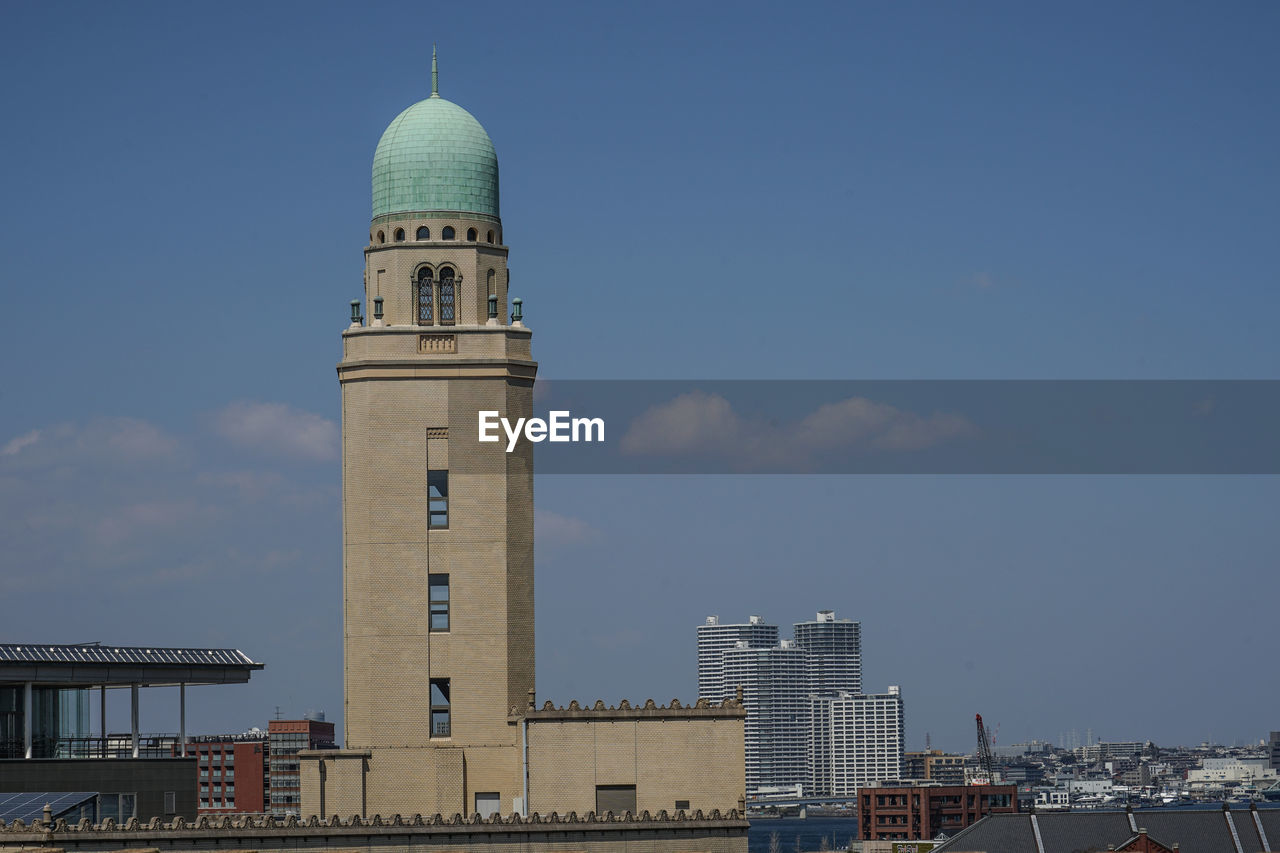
(435, 74)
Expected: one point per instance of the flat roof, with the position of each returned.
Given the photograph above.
(99, 664)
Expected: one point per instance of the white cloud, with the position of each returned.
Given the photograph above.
(124, 523)
(101, 441)
(278, 427)
(701, 423)
(695, 422)
(554, 530)
(16, 444)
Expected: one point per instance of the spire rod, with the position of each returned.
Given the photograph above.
(435, 74)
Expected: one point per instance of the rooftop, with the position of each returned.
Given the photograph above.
(98, 664)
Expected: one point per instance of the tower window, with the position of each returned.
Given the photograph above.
(471, 235)
(438, 586)
(447, 233)
(438, 500)
(399, 235)
(446, 296)
(382, 238)
(424, 233)
(440, 722)
(491, 236)
(426, 306)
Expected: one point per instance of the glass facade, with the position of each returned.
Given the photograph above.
(60, 721)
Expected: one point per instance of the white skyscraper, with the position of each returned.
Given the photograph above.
(808, 723)
(855, 740)
(834, 650)
(714, 639)
(774, 684)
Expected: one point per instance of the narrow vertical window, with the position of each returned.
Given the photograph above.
(446, 297)
(446, 233)
(440, 722)
(438, 586)
(438, 500)
(426, 313)
(471, 235)
(490, 236)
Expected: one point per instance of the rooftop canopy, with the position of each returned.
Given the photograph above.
(98, 664)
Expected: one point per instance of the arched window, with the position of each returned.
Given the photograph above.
(426, 314)
(471, 235)
(447, 233)
(446, 296)
(382, 238)
(424, 233)
(491, 284)
(399, 235)
(491, 236)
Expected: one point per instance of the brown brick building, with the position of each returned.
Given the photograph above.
(233, 773)
(910, 813)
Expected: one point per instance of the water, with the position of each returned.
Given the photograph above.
(811, 832)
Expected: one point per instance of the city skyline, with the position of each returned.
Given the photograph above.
(990, 193)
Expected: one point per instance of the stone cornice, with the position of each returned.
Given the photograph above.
(729, 709)
(241, 832)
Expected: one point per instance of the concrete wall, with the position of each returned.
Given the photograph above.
(149, 778)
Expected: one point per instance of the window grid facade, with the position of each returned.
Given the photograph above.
(714, 639)
(774, 692)
(856, 740)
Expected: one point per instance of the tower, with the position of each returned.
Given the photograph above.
(834, 649)
(437, 526)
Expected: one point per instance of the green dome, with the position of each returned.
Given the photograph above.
(435, 156)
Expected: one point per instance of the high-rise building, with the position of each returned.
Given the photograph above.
(714, 639)
(287, 738)
(775, 692)
(855, 741)
(834, 650)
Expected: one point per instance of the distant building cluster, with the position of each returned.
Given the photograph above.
(810, 729)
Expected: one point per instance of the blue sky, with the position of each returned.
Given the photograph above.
(852, 190)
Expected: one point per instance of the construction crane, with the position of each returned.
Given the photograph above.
(986, 761)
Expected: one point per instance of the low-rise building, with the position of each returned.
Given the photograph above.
(934, 766)
(903, 813)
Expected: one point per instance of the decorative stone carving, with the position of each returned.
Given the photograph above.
(437, 343)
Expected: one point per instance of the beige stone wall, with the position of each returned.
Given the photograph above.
(390, 268)
(709, 834)
(393, 393)
(669, 757)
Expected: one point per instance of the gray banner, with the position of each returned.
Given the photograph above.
(907, 427)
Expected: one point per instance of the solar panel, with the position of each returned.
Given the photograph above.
(30, 806)
(123, 654)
